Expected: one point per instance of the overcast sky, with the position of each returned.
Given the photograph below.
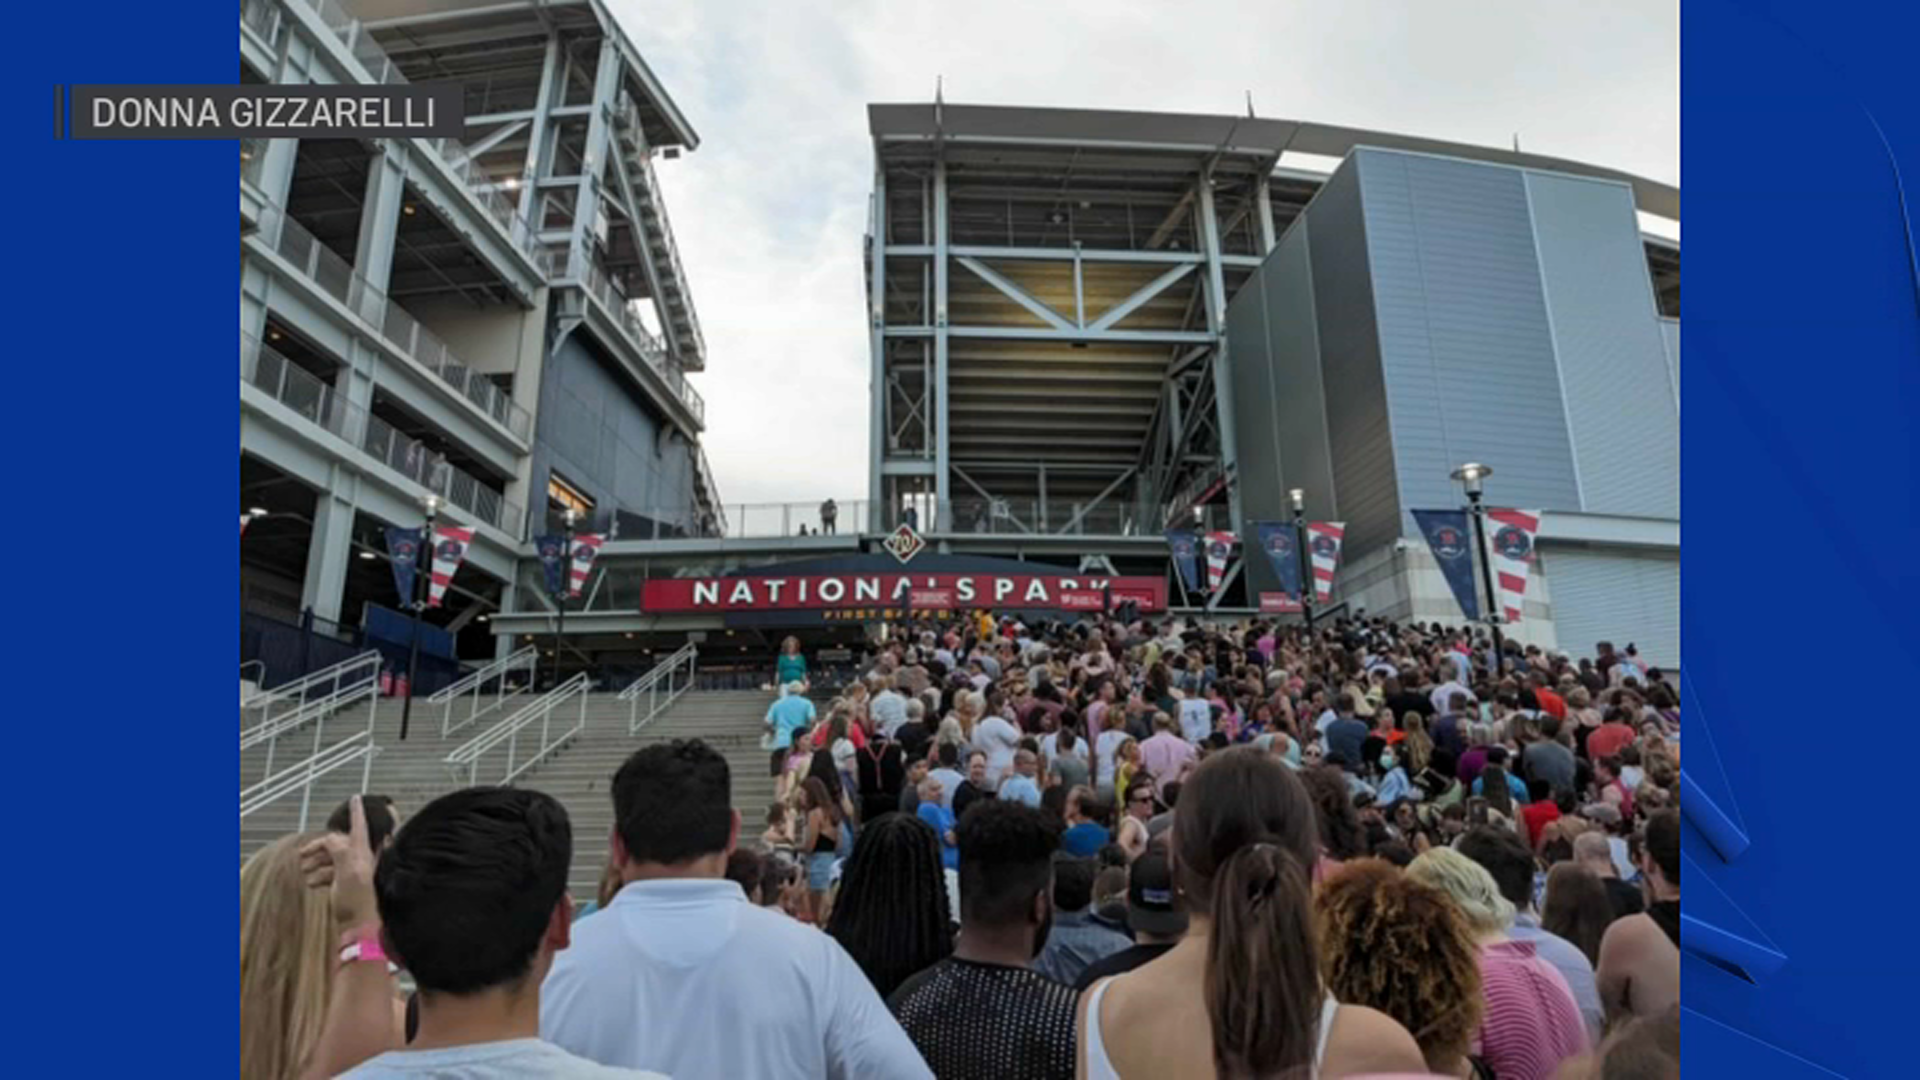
(770, 211)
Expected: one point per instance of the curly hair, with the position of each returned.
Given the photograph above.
(1394, 944)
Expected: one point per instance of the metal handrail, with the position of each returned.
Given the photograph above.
(364, 687)
(524, 660)
(340, 685)
(300, 390)
(301, 775)
(464, 762)
(648, 686)
(678, 272)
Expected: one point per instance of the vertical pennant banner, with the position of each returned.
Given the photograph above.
(1323, 543)
(1185, 544)
(1219, 553)
(403, 551)
(449, 551)
(1278, 540)
(1510, 536)
(244, 518)
(552, 548)
(585, 547)
(1447, 533)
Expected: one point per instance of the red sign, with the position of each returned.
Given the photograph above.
(1278, 602)
(774, 592)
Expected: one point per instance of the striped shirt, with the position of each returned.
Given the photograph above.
(1532, 1023)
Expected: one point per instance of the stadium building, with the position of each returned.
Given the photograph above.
(1102, 324)
(1086, 327)
(500, 321)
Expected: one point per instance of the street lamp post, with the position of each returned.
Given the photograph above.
(421, 577)
(1307, 583)
(567, 517)
(1470, 475)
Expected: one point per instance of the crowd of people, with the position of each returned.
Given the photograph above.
(1098, 848)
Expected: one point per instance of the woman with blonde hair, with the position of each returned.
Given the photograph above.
(1417, 747)
(1531, 1022)
(287, 942)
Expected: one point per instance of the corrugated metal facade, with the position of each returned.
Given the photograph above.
(1670, 337)
(1612, 360)
(1360, 439)
(1617, 596)
(1425, 311)
(1464, 339)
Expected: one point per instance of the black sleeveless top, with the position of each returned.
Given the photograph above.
(1666, 915)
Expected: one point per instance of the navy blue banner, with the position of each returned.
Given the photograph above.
(1281, 541)
(1186, 547)
(403, 550)
(553, 559)
(1450, 538)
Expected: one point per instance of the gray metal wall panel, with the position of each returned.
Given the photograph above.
(1279, 419)
(1670, 337)
(1465, 349)
(1360, 440)
(1622, 418)
(1609, 595)
(595, 431)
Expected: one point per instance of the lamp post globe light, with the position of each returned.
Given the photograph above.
(569, 517)
(1298, 497)
(1470, 477)
(430, 505)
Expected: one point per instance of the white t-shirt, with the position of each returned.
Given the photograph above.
(999, 739)
(508, 1059)
(1196, 720)
(1050, 747)
(685, 977)
(1104, 751)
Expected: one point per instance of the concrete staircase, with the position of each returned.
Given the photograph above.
(579, 775)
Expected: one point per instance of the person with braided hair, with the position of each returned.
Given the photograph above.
(1242, 994)
(891, 913)
(1401, 946)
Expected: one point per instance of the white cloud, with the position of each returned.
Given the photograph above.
(770, 211)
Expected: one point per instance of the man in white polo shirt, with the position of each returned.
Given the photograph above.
(683, 975)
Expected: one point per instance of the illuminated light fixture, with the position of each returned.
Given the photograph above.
(273, 335)
(485, 618)
(629, 635)
(256, 511)
(1056, 218)
(407, 209)
(246, 154)
(1470, 476)
(366, 555)
(511, 183)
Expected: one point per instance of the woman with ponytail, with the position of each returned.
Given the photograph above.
(1241, 996)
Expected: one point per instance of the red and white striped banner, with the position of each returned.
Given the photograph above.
(1219, 550)
(1510, 536)
(449, 551)
(1323, 543)
(244, 518)
(585, 547)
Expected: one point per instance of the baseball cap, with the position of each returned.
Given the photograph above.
(1152, 907)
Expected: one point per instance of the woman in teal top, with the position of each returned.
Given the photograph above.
(792, 667)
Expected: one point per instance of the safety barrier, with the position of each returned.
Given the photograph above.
(464, 762)
(301, 775)
(473, 688)
(650, 687)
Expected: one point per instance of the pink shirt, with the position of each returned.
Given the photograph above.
(1532, 1022)
(1167, 756)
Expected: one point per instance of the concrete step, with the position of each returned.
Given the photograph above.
(579, 775)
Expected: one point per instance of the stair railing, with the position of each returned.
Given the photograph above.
(311, 700)
(464, 762)
(661, 687)
(469, 695)
(300, 776)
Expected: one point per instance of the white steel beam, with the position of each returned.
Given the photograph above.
(1014, 292)
(943, 481)
(1132, 303)
(877, 324)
